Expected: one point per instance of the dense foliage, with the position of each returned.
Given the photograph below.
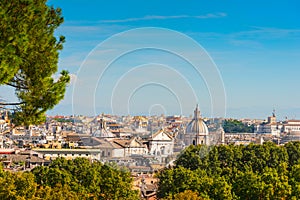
(236, 126)
(241, 172)
(29, 53)
(68, 179)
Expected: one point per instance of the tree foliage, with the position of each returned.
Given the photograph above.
(29, 53)
(236, 126)
(186, 195)
(68, 179)
(243, 172)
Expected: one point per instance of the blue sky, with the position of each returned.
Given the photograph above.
(254, 44)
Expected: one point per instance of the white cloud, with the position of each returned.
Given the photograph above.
(268, 33)
(246, 43)
(73, 78)
(162, 17)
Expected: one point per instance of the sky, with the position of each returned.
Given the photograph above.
(246, 64)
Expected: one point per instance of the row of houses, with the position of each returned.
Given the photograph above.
(274, 128)
(160, 144)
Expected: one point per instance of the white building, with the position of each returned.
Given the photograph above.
(132, 146)
(161, 143)
(291, 125)
(108, 148)
(51, 154)
(270, 127)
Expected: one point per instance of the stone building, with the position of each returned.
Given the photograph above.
(196, 131)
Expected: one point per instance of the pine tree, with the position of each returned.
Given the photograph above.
(29, 53)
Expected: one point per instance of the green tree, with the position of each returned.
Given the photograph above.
(176, 180)
(186, 195)
(248, 186)
(293, 150)
(220, 189)
(236, 126)
(17, 186)
(116, 183)
(94, 180)
(8, 188)
(29, 56)
(214, 162)
(294, 181)
(276, 185)
(265, 171)
(194, 157)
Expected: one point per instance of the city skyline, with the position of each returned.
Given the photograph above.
(149, 99)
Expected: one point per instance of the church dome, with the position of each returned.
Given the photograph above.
(103, 132)
(197, 125)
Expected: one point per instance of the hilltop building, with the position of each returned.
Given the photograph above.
(291, 131)
(291, 126)
(271, 127)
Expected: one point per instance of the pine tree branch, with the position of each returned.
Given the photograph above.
(11, 104)
(17, 86)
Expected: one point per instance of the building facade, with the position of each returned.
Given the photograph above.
(271, 127)
(161, 143)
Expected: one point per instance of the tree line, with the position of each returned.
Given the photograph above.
(200, 172)
(228, 172)
(68, 179)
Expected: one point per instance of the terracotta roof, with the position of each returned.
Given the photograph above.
(121, 142)
(126, 142)
(293, 120)
(103, 143)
